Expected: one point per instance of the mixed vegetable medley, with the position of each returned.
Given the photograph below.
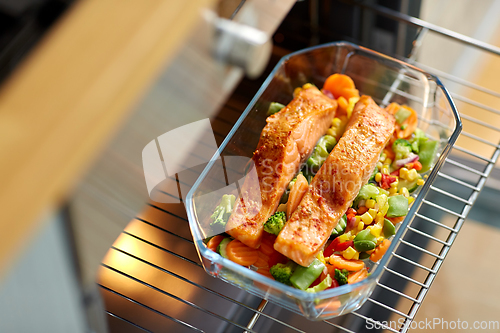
(364, 233)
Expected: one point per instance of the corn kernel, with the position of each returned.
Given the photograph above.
(404, 191)
(420, 182)
(393, 190)
(410, 200)
(336, 122)
(353, 100)
(358, 218)
(367, 218)
(350, 107)
(380, 219)
(403, 173)
(412, 175)
(370, 203)
(395, 183)
(376, 230)
(385, 170)
(383, 204)
(372, 212)
(307, 86)
(380, 239)
(349, 253)
(378, 177)
(382, 157)
(345, 237)
(387, 161)
(361, 225)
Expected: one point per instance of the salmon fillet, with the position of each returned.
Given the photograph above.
(285, 142)
(337, 182)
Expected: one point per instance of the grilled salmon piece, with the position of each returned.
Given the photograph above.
(337, 182)
(285, 142)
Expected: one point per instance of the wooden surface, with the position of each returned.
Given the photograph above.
(67, 99)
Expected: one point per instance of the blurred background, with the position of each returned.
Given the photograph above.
(86, 84)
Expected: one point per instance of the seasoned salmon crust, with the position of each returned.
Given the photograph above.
(337, 182)
(285, 142)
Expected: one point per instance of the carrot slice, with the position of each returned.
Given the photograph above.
(362, 210)
(396, 220)
(267, 244)
(341, 85)
(392, 108)
(298, 190)
(380, 250)
(214, 242)
(262, 261)
(349, 92)
(342, 263)
(241, 254)
(265, 272)
(342, 108)
(408, 126)
(357, 276)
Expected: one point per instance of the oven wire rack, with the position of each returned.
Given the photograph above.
(152, 280)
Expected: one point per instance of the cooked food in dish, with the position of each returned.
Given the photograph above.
(337, 183)
(345, 180)
(286, 141)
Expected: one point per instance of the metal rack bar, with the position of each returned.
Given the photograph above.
(423, 226)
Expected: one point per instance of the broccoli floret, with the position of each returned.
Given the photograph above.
(402, 148)
(283, 272)
(275, 223)
(223, 210)
(341, 276)
(367, 191)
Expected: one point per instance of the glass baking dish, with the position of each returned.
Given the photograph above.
(386, 80)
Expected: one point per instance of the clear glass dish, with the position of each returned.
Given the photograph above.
(386, 80)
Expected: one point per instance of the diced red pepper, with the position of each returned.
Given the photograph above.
(276, 258)
(395, 173)
(351, 211)
(336, 246)
(331, 248)
(335, 284)
(386, 181)
(343, 246)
